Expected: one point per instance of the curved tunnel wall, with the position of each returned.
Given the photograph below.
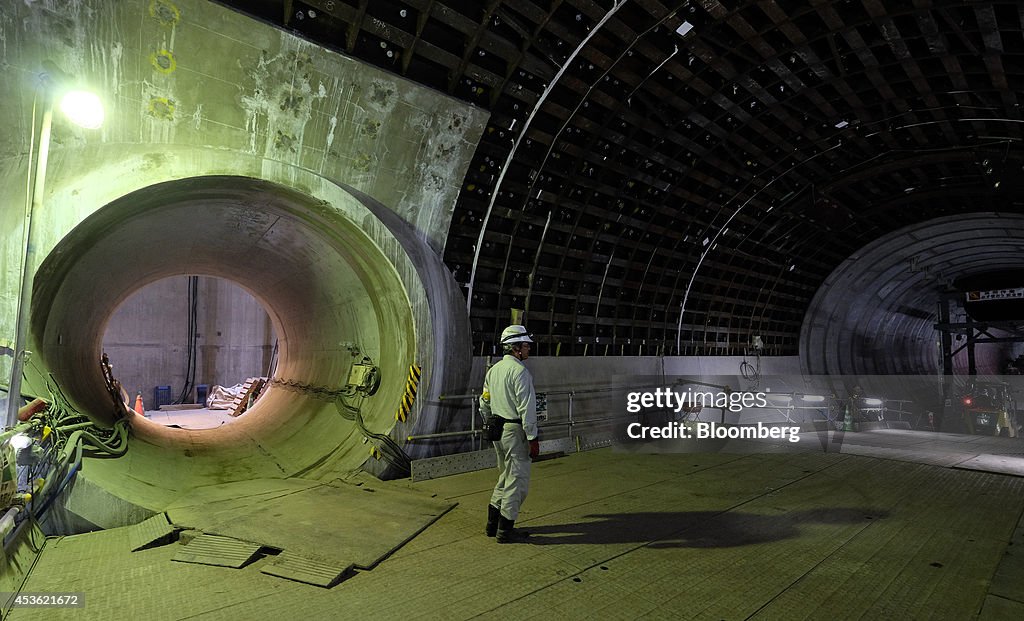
(875, 314)
(333, 130)
(337, 282)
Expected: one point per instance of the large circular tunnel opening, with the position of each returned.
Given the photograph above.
(332, 295)
(193, 350)
(876, 313)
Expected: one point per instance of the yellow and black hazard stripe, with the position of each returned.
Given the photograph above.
(412, 383)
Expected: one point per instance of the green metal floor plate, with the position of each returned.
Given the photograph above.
(447, 465)
(339, 524)
(614, 535)
(294, 567)
(148, 533)
(998, 464)
(216, 550)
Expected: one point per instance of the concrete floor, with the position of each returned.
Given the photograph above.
(193, 418)
(617, 535)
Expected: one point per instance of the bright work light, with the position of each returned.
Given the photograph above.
(82, 108)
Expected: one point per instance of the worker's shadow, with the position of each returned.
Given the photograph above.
(695, 529)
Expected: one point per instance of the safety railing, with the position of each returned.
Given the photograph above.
(835, 409)
(886, 409)
(569, 424)
(475, 433)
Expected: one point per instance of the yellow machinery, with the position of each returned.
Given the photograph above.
(986, 408)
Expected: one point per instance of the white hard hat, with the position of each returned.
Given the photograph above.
(515, 334)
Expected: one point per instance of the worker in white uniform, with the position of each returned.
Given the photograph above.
(508, 392)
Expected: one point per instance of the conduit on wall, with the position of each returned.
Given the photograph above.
(338, 285)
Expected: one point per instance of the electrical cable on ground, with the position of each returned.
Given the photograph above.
(389, 449)
(66, 435)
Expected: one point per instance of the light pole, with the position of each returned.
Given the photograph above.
(83, 109)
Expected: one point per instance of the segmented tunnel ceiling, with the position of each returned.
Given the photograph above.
(729, 154)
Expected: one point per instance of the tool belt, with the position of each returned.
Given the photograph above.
(494, 426)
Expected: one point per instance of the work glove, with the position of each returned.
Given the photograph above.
(534, 448)
(485, 404)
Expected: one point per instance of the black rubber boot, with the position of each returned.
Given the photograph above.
(507, 533)
(493, 515)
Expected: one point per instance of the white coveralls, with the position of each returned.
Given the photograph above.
(512, 396)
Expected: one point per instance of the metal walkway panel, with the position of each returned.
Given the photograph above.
(446, 465)
(617, 535)
(300, 569)
(458, 463)
(147, 533)
(360, 521)
(999, 464)
(217, 550)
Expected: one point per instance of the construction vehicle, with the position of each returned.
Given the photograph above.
(987, 408)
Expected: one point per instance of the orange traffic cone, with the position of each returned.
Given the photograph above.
(139, 408)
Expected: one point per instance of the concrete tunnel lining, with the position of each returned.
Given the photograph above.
(324, 282)
(839, 337)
